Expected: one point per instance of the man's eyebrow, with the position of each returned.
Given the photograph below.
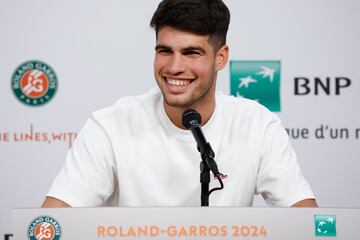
(186, 49)
(162, 47)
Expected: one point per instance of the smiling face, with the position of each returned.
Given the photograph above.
(186, 67)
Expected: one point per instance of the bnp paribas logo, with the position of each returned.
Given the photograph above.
(257, 80)
(325, 225)
(34, 83)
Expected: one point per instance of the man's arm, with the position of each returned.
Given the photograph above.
(306, 203)
(51, 202)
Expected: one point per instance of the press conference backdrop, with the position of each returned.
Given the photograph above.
(87, 54)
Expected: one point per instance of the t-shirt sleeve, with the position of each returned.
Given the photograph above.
(88, 175)
(280, 180)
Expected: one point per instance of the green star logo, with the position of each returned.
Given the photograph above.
(257, 80)
(325, 225)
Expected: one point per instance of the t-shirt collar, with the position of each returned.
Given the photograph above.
(185, 135)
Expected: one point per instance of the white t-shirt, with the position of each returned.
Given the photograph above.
(131, 154)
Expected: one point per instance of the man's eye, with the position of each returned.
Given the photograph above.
(192, 53)
(164, 51)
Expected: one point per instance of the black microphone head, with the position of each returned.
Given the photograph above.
(190, 117)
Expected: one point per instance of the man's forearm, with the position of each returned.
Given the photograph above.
(51, 202)
(306, 203)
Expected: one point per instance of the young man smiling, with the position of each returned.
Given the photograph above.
(137, 153)
(186, 66)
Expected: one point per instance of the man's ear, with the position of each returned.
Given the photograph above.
(222, 57)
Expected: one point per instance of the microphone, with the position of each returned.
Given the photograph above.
(191, 120)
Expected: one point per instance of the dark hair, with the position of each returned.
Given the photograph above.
(203, 17)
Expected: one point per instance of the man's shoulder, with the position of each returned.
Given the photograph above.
(242, 104)
(128, 105)
(239, 107)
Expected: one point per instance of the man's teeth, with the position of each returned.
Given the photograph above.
(178, 83)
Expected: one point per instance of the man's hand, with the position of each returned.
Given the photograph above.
(51, 202)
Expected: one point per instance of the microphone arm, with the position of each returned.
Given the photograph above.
(204, 148)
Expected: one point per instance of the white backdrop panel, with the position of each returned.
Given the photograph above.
(102, 50)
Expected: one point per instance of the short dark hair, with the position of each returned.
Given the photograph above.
(203, 17)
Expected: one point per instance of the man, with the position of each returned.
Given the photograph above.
(137, 153)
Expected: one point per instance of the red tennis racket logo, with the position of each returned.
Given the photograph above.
(34, 84)
(44, 231)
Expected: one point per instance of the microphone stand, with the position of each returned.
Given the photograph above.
(207, 156)
(192, 120)
(204, 180)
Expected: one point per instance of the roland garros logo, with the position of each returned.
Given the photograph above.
(44, 228)
(34, 83)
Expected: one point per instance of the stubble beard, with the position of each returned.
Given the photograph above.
(194, 99)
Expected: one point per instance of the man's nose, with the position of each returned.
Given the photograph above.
(177, 64)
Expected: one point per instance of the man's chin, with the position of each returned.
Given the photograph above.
(177, 102)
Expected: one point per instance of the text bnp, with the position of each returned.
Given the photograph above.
(324, 86)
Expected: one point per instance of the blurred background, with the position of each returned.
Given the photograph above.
(87, 54)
